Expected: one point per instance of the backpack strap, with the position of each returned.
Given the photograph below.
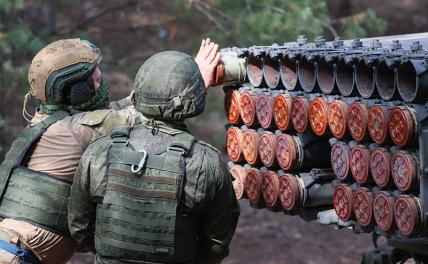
(180, 148)
(122, 153)
(183, 141)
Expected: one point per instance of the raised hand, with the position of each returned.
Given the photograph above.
(207, 59)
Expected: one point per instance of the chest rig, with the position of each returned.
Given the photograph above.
(30, 195)
(137, 218)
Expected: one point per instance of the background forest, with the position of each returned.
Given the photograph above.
(129, 31)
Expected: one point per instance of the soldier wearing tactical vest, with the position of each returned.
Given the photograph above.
(152, 193)
(36, 174)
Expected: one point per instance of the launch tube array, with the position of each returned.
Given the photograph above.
(336, 128)
(388, 68)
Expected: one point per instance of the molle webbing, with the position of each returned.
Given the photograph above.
(138, 215)
(30, 195)
(37, 198)
(22, 144)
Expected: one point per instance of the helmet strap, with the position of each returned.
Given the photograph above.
(25, 114)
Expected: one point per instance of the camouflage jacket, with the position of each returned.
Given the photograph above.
(208, 190)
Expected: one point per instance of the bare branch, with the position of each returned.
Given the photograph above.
(359, 17)
(215, 10)
(275, 8)
(202, 9)
(330, 28)
(248, 6)
(107, 11)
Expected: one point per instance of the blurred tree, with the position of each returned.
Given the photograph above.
(129, 31)
(17, 43)
(2, 123)
(26, 26)
(263, 22)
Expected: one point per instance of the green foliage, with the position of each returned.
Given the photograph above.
(364, 23)
(11, 5)
(240, 22)
(21, 36)
(26, 26)
(17, 44)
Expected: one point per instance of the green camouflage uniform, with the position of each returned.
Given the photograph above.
(168, 89)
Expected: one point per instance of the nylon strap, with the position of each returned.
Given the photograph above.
(184, 141)
(124, 201)
(130, 157)
(24, 255)
(148, 219)
(138, 234)
(180, 146)
(22, 144)
(128, 245)
(120, 154)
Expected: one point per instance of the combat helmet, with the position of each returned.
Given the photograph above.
(170, 87)
(60, 76)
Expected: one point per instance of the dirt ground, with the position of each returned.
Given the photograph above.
(274, 238)
(264, 237)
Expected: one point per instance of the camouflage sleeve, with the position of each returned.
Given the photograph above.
(220, 217)
(115, 118)
(87, 126)
(87, 189)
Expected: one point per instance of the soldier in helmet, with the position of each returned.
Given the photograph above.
(38, 170)
(152, 193)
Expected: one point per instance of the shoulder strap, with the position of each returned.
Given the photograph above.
(181, 145)
(23, 143)
(53, 118)
(121, 153)
(183, 141)
(32, 134)
(121, 132)
(120, 136)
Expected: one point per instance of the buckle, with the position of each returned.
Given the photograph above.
(137, 168)
(121, 132)
(177, 148)
(117, 134)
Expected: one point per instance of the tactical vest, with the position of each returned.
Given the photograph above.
(137, 217)
(30, 195)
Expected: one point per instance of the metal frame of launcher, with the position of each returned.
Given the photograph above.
(333, 85)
